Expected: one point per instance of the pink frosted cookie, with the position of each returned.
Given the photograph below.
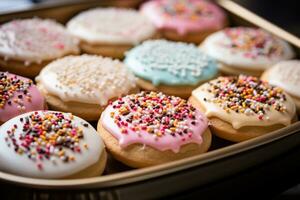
(27, 45)
(151, 128)
(185, 20)
(18, 95)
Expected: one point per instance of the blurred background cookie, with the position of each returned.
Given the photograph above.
(245, 50)
(27, 45)
(110, 31)
(185, 20)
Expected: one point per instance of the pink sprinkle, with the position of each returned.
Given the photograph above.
(59, 46)
(43, 29)
(40, 166)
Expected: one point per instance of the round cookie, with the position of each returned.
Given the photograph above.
(185, 20)
(286, 74)
(150, 128)
(245, 50)
(110, 31)
(18, 95)
(243, 107)
(50, 144)
(83, 85)
(174, 68)
(27, 45)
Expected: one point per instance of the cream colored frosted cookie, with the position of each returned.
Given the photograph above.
(83, 85)
(286, 74)
(110, 31)
(245, 50)
(243, 107)
(152, 128)
(27, 45)
(50, 144)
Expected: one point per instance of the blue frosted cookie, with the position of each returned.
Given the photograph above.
(175, 68)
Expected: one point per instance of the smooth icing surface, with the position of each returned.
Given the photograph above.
(35, 40)
(86, 79)
(111, 25)
(154, 119)
(245, 101)
(286, 74)
(185, 16)
(48, 144)
(245, 47)
(170, 63)
(18, 95)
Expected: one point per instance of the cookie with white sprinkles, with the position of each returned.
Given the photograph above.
(174, 68)
(83, 85)
(27, 45)
(50, 144)
(110, 31)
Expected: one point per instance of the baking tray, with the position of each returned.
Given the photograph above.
(223, 161)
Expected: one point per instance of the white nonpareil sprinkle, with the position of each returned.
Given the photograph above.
(88, 78)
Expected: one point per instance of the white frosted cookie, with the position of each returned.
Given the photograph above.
(84, 84)
(110, 31)
(27, 45)
(286, 74)
(50, 144)
(244, 49)
(243, 107)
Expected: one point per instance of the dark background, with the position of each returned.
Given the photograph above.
(285, 14)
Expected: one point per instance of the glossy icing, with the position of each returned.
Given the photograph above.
(184, 16)
(154, 119)
(246, 47)
(170, 63)
(18, 95)
(35, 40)
(87, 79)
(245, 101)
(111, 25)
(48, 144)
(286, 74)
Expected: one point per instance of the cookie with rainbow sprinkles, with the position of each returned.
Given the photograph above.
(243, 107)
(18, 95)
(150, 128)
(51, 144)
(246, 50)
